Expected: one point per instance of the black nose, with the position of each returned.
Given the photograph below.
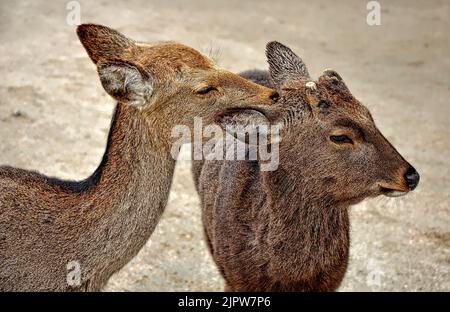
(412, 178)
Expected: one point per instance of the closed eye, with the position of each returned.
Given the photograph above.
(206, 90)
(341, 139)
(275, 96)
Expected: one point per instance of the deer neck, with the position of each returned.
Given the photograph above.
(136, 155)
(311, 228)
(129, 190)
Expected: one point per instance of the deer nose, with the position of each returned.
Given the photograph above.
(412, 178)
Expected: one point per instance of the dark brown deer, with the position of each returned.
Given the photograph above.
(288, 229)
(103, 221)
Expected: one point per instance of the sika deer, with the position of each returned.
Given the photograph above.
(103, 221)
(288, 229)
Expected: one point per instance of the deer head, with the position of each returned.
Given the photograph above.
(330, 144)
(173, 79)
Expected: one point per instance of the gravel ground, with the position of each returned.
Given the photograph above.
(54, 117)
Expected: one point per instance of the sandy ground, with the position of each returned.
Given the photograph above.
(54, 117)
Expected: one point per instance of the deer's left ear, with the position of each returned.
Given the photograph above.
(127, 83)
(248, 124)
(331, 74)
(333, 80)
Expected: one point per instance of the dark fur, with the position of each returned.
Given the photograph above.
(288, 230)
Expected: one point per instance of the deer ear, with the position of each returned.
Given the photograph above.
(331, 74)
(333, 80)
(245, 124)
(109, 50)
(284, 64)
(241, 117)
(104, 43)
(125, 82)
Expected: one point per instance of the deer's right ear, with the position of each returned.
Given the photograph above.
(284, 64)
(127, 83)
(103, 43)
(110, 51)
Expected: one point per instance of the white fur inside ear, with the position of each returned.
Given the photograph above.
(125, 83)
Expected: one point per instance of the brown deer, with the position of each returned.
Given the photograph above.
(288, 229)
(103, 221)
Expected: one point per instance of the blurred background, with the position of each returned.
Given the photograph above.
(54, 116)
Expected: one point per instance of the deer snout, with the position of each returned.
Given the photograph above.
(412, 178)
(407, 181)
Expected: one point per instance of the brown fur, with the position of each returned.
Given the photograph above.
(103, 221)
(288, 229)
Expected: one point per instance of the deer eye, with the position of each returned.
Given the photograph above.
(341, 139)
(206, 90)
(323, 104)
(275, 97)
